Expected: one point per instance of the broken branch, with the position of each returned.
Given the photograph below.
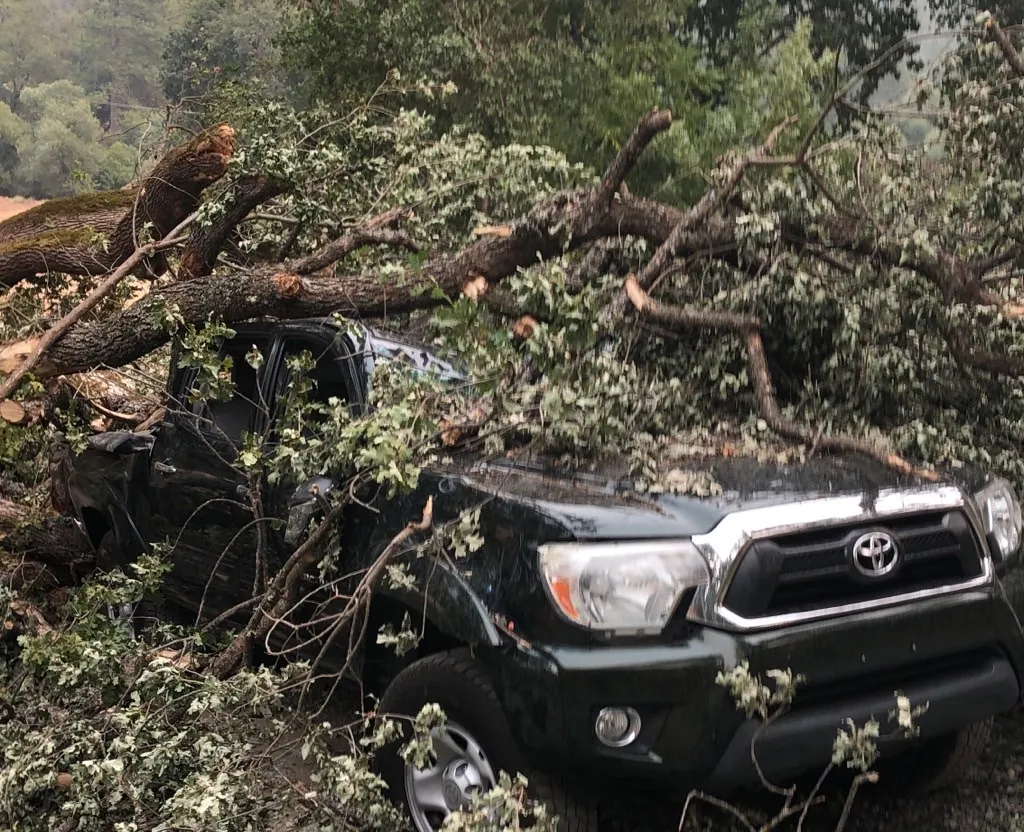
(95, 233)
(205, 243)
(708, 203)
(655, 121)
(363, 594)
(1002, 40)
(58, 330)
(376, 231)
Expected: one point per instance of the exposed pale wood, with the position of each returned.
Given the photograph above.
(12, 412)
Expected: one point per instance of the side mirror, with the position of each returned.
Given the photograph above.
(303, 505)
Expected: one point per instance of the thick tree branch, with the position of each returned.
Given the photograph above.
(133, 332)
(376, 231)
(94, 233)
(958, 279)
(40, 345)
(129, 334)
(205, 243)
(677, 239)
(50, 540)
(988, 362)
(654, 122)
(1002, 40)
(301, 288)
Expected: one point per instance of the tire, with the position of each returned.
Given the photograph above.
(942, 761)
(456, 681)
(148, 612)
(107, 553)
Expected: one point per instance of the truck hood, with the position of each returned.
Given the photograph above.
(604, 505)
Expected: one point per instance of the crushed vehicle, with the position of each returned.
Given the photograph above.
(580, 644)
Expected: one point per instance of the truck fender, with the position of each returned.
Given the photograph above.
(447, 601)
(112, 515)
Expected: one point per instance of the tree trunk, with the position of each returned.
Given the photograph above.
(94, 233)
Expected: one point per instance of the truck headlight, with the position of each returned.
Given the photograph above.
(1001, 513)
(631, 586)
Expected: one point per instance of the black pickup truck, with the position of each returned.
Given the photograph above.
(581, 642)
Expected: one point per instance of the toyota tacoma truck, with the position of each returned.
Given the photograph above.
(581, 642)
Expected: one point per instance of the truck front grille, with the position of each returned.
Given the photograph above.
(815, 570)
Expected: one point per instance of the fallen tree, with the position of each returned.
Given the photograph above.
(796, 211)
(295, 289)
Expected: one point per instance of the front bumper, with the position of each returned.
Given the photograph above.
(963, 655)
(980, 687)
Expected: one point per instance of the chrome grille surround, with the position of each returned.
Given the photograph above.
(725, 545)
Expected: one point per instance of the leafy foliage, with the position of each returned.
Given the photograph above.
(374, 158)
(576, 75)
(858, 337)
(219, 42)
(124, 739)
(55, 150)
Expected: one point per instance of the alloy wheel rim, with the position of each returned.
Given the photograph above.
(458, 769)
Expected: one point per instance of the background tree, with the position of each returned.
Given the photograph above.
(861, 30)
(12, 135)
(220, 41)
(119, 45)
(25, 58)
(576, 74)
(954, 14)
(56, 148)
(573, 74)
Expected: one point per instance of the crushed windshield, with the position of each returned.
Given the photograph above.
(378, 349)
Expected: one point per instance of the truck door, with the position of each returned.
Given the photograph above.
(333, 377)
(200, 502)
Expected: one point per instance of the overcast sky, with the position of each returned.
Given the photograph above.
(931, 49)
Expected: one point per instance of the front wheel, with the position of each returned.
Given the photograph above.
(941, 761)
(468, 755)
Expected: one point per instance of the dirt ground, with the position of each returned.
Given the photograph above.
(988, 799)
(9, 206)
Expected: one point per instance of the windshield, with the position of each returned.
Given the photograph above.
(379, 348)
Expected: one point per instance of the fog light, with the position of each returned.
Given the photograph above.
(617, 727)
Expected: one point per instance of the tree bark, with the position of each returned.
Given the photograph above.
(46, 548)
(94, 233)
(283, 292)
(206, 242)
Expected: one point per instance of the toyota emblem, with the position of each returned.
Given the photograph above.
(875, 554)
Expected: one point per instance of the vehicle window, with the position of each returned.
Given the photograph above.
(421, 360)
(329, 376)
(233, 417)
